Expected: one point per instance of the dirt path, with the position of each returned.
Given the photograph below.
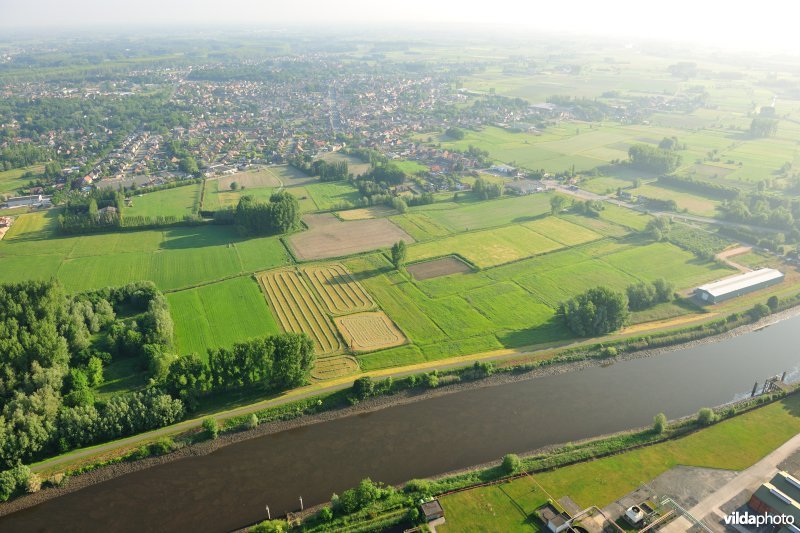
(725, 256)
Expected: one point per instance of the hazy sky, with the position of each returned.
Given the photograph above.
(734, 23)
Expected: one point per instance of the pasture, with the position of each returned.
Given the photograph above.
(366, 332)
(177, 202)
(497, 246)
(329, 237)
(332, 194)
(692, 202)
(420, 226)
(486, 214)
(11, 180)
(355, 166)
(297, 310)
(173, 258)
(337, 289)
(220, 314)
(487, 248)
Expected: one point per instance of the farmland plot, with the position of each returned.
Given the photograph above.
(297, 310)
(365, 332)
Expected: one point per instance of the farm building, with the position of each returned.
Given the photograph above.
(779, 496)
(728, 288)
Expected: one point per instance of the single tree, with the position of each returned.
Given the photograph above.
(398, 254)
(660, 423)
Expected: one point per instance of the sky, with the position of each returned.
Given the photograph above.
(766, 24)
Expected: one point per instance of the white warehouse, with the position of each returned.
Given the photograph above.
(728, 288)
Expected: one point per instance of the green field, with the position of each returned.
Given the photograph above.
(172, 258)
(220, 314)
(733, 444)
(331, 195)
(11, 180)
(479, 215)
(177, 202)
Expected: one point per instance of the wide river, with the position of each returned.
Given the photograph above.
(230, 487)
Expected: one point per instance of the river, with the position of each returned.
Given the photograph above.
(230, 487)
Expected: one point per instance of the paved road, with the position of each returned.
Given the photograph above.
(748, 479)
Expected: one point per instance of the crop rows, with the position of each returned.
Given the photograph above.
(340, 293)
(298, 311)
(369, 331)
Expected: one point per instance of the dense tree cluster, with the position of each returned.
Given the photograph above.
(763, 127)
(643, 295)
(763, 209)
(279, 215)
(653, 159)
(455, 133)
(50, 359)
(596, 312)
(275, 362)
(485, 190)
(21, 155)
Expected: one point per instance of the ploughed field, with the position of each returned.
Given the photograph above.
(437, 268)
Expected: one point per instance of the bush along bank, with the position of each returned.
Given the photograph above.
(366, 388)
(389, 507)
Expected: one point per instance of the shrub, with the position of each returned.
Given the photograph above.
(252, 421)
(511, 463)
(773, 303)
(759, 311)
(162, 446)
(34, 484)
(363, 388)
(7, 485)
(706, 416)
(660, 423)
(326, 514)
(431, 379)
(270, 526)
(211, 428)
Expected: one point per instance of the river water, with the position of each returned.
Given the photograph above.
(230, 487)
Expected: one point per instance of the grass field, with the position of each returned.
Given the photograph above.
(220, 314)
(177, 202)
(691, 202)
(494, 247)
(479, 215)
(331, 195)
(297, 310)
(733, 444)
(337, 289)
(11, 180)
(173, 258)
(487, 248)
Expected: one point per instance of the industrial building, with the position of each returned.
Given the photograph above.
(779, 496)
(728, 288)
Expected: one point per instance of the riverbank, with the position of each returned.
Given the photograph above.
(505, 375)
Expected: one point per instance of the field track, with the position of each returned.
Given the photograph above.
(340, 293)
(297, 310)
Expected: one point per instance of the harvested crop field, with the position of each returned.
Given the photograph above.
(337, 289)
(365, 332)
(297, 310)
(438, 268)
(334, 367)
(329, 237)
